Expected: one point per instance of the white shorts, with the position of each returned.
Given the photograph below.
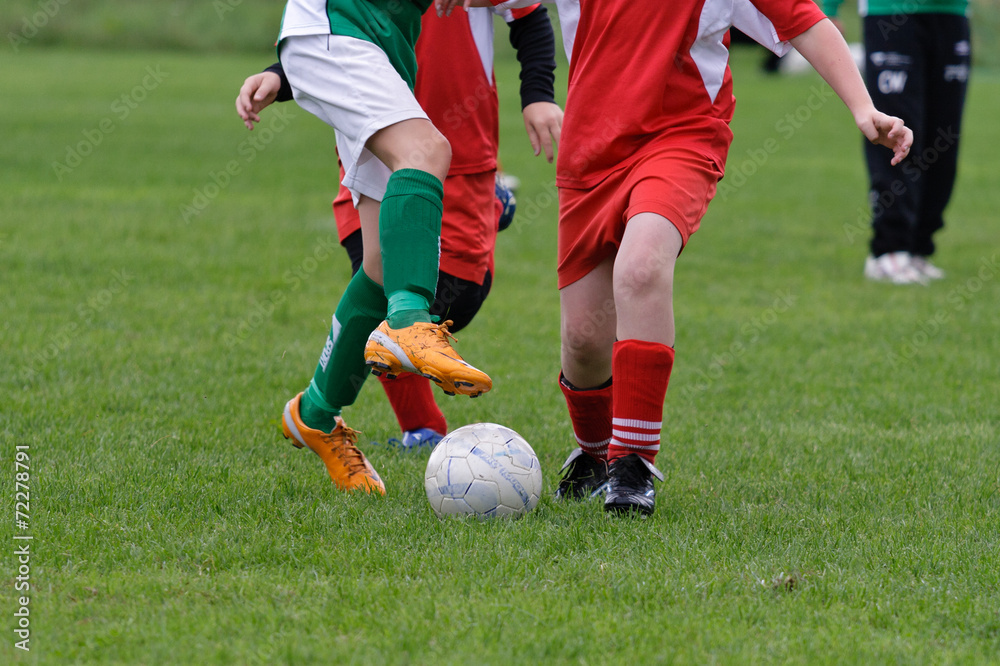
(350, 84)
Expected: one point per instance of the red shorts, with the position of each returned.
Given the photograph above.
(675, 182)
(468, 227)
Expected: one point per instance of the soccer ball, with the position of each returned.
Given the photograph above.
(485, 470)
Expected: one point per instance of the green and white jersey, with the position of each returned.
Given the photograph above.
(392, 25)
(900, 7)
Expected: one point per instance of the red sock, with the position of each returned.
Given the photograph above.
(412, 400)
(590, 414)
(641, 371)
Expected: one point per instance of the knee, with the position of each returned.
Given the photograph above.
(432, 153)
(653, 273)
(413, 144)
(440, 158)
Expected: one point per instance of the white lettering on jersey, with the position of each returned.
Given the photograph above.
(890, 82)
(956, 72)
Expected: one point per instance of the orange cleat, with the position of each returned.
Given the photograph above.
(348, 467)
(423, 349)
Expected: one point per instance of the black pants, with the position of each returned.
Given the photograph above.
(917, 68)
(456, 299)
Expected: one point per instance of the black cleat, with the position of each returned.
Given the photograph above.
(584, 476)
(630, 486)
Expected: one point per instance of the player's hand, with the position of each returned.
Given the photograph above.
(543, 120)
(888, 131)
(258, 91)
(444, 7)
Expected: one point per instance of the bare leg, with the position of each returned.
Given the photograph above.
(371, 262)
(588, 327)
(644, 279)
(412, 144)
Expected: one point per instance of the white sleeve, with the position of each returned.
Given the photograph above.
(499, 10)
(569, 17)
(748, 20)
(501, 7)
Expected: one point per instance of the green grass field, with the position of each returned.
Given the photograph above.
(831, 445)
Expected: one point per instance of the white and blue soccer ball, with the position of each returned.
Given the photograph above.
(484, 470)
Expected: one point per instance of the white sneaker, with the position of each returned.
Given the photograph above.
(926, 268)
(894, 267)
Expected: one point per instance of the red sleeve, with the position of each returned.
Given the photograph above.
(790, 19)
(519, 13)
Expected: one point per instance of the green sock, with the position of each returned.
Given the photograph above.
(341, 371)
(403, 316)
(410, 235)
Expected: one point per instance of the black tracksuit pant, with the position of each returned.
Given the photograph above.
(917, 68)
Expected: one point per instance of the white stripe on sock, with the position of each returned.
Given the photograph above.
(636, 423)
(635, 447)
(591, 445)
(637, 436)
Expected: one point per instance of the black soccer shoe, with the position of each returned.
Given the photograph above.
(630, 486)
(584, 476)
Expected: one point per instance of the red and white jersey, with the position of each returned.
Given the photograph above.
(642, 73)
(455, 84)
(455, 87)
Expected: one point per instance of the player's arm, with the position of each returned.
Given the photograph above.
(532, 37)
(825, 49)
(445, 7)
(259, 91)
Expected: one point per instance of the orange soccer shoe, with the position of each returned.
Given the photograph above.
(348, 467)
(423, 348)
